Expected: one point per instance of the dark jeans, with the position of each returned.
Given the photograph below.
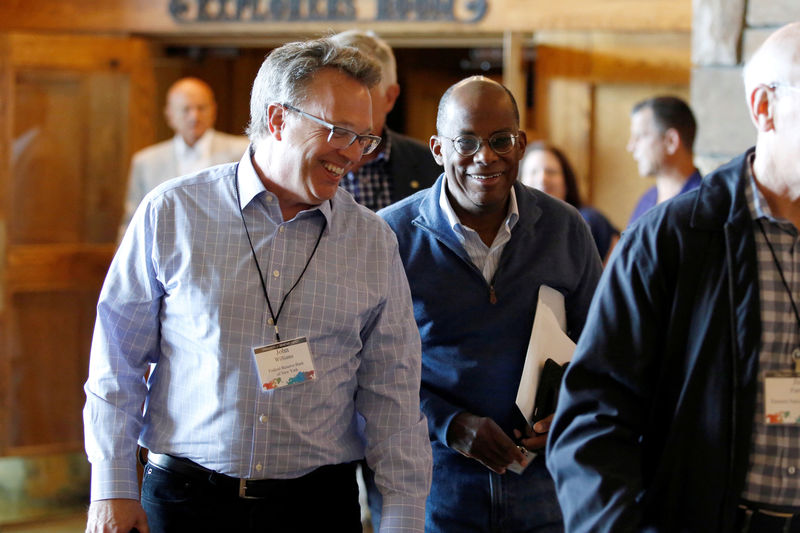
(324, 500)
(467, 497)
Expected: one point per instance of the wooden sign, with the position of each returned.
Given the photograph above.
(205, 11)
(399, 18)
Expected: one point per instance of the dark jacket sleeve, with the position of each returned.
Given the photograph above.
(411, 166)
(595, 445)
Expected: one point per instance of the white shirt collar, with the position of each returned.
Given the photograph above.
(201, 148)
(455, 224)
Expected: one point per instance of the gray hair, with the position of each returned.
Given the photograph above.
(285, 75)
(372, 45)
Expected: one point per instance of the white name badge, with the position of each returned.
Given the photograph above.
(781, 398)
(284, 363)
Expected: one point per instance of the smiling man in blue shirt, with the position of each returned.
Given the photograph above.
(237, 282)
(476, 248)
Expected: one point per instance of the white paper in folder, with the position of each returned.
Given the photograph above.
(548, 340)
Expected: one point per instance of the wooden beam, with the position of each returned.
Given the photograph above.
(49, 267)
(610, 66)
(513, 72)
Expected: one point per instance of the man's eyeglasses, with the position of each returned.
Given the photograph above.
(341, 138)
(467, 145)
(775, 85)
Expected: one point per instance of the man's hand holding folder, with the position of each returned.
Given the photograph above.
(549, 352)
(480, 438)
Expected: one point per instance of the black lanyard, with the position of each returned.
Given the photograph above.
(258, 267)
(780, 271)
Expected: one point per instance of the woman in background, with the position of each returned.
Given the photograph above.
(546, 168)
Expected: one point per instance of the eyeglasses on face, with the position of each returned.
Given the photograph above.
(466, 145)
(775, 85)
(341, 138)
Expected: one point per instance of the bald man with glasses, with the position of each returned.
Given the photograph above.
(278, 317)
(477, 247)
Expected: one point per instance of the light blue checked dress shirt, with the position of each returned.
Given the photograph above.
(183, 292)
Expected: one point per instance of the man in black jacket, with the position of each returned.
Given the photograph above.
(678, 410)
(401, 165)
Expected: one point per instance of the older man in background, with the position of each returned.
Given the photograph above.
(401, 165)
(191, 112)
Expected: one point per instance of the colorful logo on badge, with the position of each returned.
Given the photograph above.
(781, 417)
(301, 377)
(272, 384)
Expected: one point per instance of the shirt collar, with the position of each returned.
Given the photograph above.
(512, 216)
(250, 186)
(760, 206)
(201, 147)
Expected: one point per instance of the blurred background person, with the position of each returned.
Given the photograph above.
(190, 111)
(547, 169)
(663, 129)
(401, 165)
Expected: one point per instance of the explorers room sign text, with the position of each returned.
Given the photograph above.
(207, 11)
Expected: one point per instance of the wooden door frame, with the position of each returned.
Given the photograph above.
(30, 268)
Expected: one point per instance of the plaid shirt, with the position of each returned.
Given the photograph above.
(370, 184)
(774, 473)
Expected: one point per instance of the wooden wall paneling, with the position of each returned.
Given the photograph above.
(232, 89)
(75, 52)
(424, 89)
(108, 94)
(49, 143)
(514, 70)
(57, 267)
(49, 370)
(424, 75)
(74, 118)
(143, 98)
(584, 88)
(69, 158)
(6, 103)
(570, 126)
(244, 73)
(604, 57)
